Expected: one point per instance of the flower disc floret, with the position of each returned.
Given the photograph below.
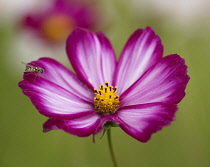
(106, 100)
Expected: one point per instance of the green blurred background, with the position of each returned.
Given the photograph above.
(184, 27)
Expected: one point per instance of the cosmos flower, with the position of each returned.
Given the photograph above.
(139, 92)
(54, 21)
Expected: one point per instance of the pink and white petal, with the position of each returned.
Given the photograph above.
(142, 50)
(54, 101)
(60, 75)
(141, 121)
(82, 127)
(108, 58)
(90, 56)
(164, 82)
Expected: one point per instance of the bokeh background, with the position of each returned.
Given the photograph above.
(184, 27)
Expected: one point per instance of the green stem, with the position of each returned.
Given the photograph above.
(111, 148)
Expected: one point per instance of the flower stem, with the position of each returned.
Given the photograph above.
(111, 148)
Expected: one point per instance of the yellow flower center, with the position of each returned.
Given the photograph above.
(57, 27)
(106, 100)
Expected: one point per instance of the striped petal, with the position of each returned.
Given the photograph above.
(54, 101)
(91, 56)
(142, 50)
(60, 75)
(164, 82)
(82, 127)
(141, 121)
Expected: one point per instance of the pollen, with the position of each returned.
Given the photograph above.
(106, 101)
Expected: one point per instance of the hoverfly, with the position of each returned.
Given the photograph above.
(33, 69)
(30, 68)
